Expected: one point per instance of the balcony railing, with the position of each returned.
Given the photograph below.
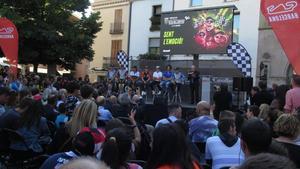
(116, 28)
(155, 23)
(108, 61)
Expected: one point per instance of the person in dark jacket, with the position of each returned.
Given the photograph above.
(263, 96)
(222, 99)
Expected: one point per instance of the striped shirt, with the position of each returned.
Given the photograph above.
(221, 155)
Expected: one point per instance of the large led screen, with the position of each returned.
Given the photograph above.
(196, 32)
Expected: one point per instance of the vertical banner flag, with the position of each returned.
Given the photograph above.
(284, 18)
(9, 43)
(240, 58)
(123, 59)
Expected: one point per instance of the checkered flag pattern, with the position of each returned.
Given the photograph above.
(123, 59)
(240, 58)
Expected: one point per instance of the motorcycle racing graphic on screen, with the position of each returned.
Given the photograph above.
(214, 29)
(206, 31)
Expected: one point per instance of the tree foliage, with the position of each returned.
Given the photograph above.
(49, 33)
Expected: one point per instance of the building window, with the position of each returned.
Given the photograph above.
(236, 27)
(117, 26)
(154, 46)
(157, 10)
(116, 46)
(155, 19)
(196, 2)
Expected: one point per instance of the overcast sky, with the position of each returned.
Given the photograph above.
(89, 10)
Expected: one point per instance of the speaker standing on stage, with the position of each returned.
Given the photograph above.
(193, 77)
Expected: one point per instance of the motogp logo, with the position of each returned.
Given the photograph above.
(282, 8)
(6, 31)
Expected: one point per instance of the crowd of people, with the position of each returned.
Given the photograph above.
(76, 124)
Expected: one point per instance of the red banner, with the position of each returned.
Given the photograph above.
(284, 18)
(9, 43)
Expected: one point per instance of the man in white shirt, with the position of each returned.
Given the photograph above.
(175, 113)
(157, 77)
(134, 78)
(224, 150)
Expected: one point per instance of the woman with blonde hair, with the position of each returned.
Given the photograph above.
(85, 115)
(287, 129)
(264, 110)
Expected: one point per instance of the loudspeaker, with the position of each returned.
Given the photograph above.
(242, 84)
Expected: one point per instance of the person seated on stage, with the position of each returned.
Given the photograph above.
(134, 77)
(168, 76)
(111, 73)
(157, 77)
(178, 79)
(175, 113)
(146, 79)
(121, 75)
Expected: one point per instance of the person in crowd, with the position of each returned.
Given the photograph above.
(252, 112)
(157, 77)
(123, 108)
(85, 115)
(264, 110)
(203, 126)
(86, 79)
(116, 149)
(263, 96)
(104, 114)
(49, 110)
(253, 96)
(61, 97)
(267, 161)
(4, 96)
(62, 118)
(227, 144)
(287, 128)
(193, 77)
(86, 143)
(146, 79)
(134, 78)
(86, 92)
(85, 163)
(293, 96)
(182, 124)
(10, 119)
(275, 104)
(178, 78)
(222, 100)
(175, 152)
(256, 137)
(50, 89)
(167, 78)
(14, 84)
(35, 94)
(34, 129)
(24, 93)
(280, 95)
(12, 100)
(175, 113)
(112, 104)
(72, 99)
